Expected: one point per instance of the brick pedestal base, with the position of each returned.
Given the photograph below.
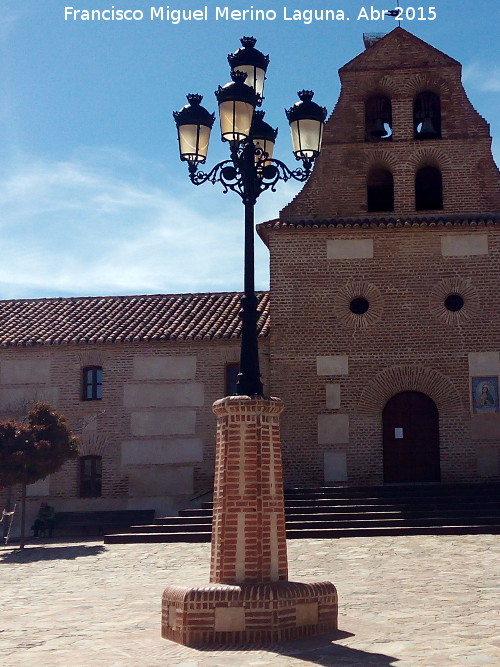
(219, 614)
(249, 600)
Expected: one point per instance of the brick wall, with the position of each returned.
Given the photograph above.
(154, 427)
(407, 340)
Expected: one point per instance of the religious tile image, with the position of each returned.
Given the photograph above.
(484, 394)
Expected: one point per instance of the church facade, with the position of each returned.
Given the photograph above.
(381, 330)
(384, 282)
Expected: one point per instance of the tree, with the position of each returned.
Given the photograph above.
(32, 449)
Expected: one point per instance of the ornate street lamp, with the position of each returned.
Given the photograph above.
(251, 61)
(251, 168)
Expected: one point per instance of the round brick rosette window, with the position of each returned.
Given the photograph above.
(358, 304)
(453, 301)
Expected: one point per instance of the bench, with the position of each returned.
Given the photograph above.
(99, 522)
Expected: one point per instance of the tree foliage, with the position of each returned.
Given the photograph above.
(32, 449)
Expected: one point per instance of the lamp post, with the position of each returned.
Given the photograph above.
(249, 598)
(251, 168)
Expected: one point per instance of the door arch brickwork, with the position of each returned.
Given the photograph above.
(397, 379)
(366, 423)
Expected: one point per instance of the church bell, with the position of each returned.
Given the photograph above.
(427, 130)
(378, 129)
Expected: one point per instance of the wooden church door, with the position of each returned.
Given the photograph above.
(411, 438)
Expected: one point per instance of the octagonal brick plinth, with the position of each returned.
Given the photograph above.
(249, 599)
(221, 614)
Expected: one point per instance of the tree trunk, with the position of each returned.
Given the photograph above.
(23, 517)
(8, 505)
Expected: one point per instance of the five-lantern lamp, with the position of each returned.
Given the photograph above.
(251, 169)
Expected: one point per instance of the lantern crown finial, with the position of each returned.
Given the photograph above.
(238, 76)
(237, 89)
(306, 108)
(248, 42)
(248, 55)
(194, 113)
(194, 99)
(305, 95)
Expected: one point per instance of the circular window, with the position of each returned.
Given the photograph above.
(454, 302)
(359, 305)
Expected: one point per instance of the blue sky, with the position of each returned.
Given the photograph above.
(93, 197)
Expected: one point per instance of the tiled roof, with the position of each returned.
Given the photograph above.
(119, 319)
(470, 220)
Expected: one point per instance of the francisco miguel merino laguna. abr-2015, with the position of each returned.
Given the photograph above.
(204, 13)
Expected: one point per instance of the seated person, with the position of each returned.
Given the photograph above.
(45, 520)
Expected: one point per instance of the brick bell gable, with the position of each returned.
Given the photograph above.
(400, 66)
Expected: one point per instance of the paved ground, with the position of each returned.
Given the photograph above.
(404, 601)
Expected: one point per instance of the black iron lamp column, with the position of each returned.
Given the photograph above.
(251, 168)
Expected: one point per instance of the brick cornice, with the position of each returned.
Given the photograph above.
(361, 223)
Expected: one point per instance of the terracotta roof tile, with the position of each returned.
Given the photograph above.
(117, 319)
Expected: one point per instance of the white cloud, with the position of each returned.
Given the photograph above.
(90, 226)
(486, 79)
(11, 16)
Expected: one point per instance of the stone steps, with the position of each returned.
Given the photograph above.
(342, 512)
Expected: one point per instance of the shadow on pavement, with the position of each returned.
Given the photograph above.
(31, 554)
(324, 651)
(327, 653)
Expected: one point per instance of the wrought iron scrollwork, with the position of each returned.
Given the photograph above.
(249, 172)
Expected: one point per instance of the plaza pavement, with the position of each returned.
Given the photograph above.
(404, 601)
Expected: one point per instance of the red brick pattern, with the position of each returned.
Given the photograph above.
(262, 613)
(400, 66)
(248, 533)
(249, 600)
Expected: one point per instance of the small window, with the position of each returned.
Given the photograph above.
(427, 116)
(232, 371)
(380, 191)
(92, 383)
(378, 118)
(428, 189)
(359, 305)
(90, 476)
(454, 302)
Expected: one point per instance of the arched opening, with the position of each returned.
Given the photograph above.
(427, 116)
(378, 118)
(411, 439)
(428, 189)
(380, 190)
